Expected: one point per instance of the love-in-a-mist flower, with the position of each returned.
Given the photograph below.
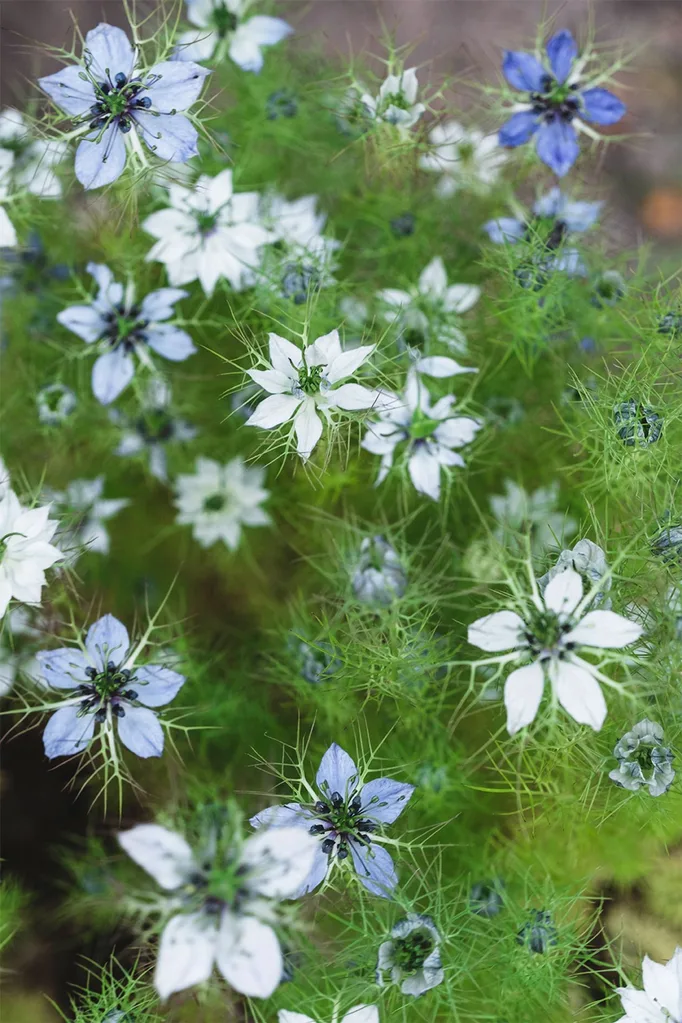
(208, 232)
(55, 404)
(553, 632)
(466, 159)
(534, 514)
(539, 933)
(122, 327)
(119, 104)
(153, 428)
(643, 760)
(358, 1014)
(396, 102)
(302, 260)
(104, 686)
(217, 500)
(16, 652)
(560, 99)
(302, 382)
(589, 561)
(429, 432)
(347, 816)
(25, 548)
(223, 28)
(8, 234)
(430, 310)
(411, 957)
(85, 512)
(35, 158)
(378, 577)
(661, 999)
(226, 899)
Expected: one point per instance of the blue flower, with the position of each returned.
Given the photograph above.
(348, 818)
(106, 687)
(118, 104)
(557, 103)
(122, 327)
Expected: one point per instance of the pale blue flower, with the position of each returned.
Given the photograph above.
(120, 327)
(118, 104)
(348, 818)
(643, 760)
(107, 687)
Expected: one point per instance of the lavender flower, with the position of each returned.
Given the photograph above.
(348, 817)
(106, 685)
(557, 103)
(118, 104)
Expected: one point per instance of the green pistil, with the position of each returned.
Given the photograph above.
(109, 682)
(559, 94)
(422, 427)
(206, 222)
(309, 379)
(396, 99)
(224, 21)
(125, 326)
(410, 952)
(215, 503)
(546, 629)
(465, 151)
(226, 882)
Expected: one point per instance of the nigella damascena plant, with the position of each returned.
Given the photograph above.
(153, 429)
(106, 693)
(122, 328)
(116, 104)
(221, 29)
(668, 543)
(661, 999)
(55, 403)
(638, 424)
(225, 902)
(589, 561)
(396, 102)
(552, 633)
(643, 760)
(26, 551)
(560, 99)
(486, 898)
(379, 577)
(539, 933)
(317, 662)
(347, 817)
(410, 959)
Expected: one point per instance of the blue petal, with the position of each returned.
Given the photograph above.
(580, 216)
(505, 230)
(523, 71)
(550, 205)
(384, 799)
(562, 50)
(156, 686)
(66, 733)
(170, 342)
(337, 772)
(98, 163)
(108, 52)
(569, 262)
(107, 640)
(317, 874)
(111, 374)
(557, 146)
(518, 129)
(69, 91)
(286, 815)
(64, 668)
(175, 85)
(169, 136)
(374, 868)
(601, 107)
(158, 305)
(141, 732)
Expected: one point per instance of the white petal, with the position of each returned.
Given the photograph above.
(279, 860)
(433, 279)
(578, 692)
(424, 471)
(362, 1014)
(522, 695)
(164, 854)
(273, 411)
(308, 426)
(186, 953)
(604, 629)
(324, 349)
(8, 234)
(564, 592)
(461, 297)
(346, 363)
(499, 631)
(442, 366)
(270, 380)
(286, 1016)
(248, 956)
(353, 397)
(285, 357)
(664, 983)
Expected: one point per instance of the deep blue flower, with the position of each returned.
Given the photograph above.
(557, 103)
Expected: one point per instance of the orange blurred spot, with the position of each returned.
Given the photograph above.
(661, 212)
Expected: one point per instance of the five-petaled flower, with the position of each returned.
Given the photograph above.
(431, 433)
(25, 548)
(106, 685)
(396, 101)
(558, 103)
(661, 999)
(227, 898)
(122, 327)
(550, 636)
(118, 104)
(221, 27)
(217, 500)
(347, 819)
(304, 381)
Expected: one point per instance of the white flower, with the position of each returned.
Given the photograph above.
(12, 657)
(87, 512)
(431, 433)
(358, 1014)
(220, 27)
(217, 500)
(8, 235)
(301, 382)
(55, 403)
(303, 259)
(35, 158)
(465, 157)
(25, 550)
(430, 308)
(519, 511)
(550, 637)
(661, 999)
(396, 102)
(209, 232)
(232, 929)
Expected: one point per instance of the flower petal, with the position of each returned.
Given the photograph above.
(271, 380)
(196, 45)
(317, 872)
(171, 137)
(273, 411)
(73, 94)
(384, 799)
(433, 279)
(159, 304)
(562, 50)
(522, 695)
(564, 592)
(170, 342)
(601, 107)
(505, 230)
(83, 320)
(286, 815)
(107, 52)
(459, 298)
(424, 470)
(101, 157)
(499, 631)
(605, 629)
(362, 1014)
(186, 953)
(141, 732)
(111, 374)
(353, 397)
(557, 146)
(285, 357)
(337, 772)
(156, 686)
(578, 692)
(346, 363)
(374, 868)
(107, 640)
(523, 71)
(518, 129)
(663, 983)
(174, 85)
(278, 860)
(249, 956)
(68, 732)
(64, 668)
(441, 366)
(164, 854)
(308, 427)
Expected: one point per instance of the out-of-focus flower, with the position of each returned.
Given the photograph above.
(217, 500)
(411, 956)
(466, 159)
(533, 513)
(539, 933)
(643, 760)
(396, 102)
(223, 28)
(379, 577)
(55, 403)
(637, 423)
